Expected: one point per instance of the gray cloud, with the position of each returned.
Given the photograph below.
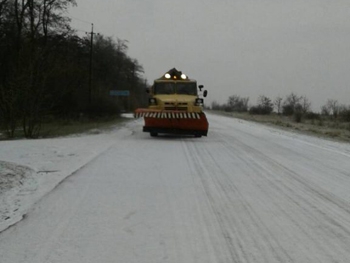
(243, 47)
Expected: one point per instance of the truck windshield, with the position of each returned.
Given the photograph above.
(164, 88)
(172, 88)
(186, 88)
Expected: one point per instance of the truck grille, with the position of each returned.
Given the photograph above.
(181, 106)
(175, 108)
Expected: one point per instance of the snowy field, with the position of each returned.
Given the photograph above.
(245, 193)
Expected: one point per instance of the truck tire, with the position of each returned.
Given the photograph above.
(153, 134)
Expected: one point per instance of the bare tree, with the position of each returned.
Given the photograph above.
(333, 105)
(305, 105)
(292, 99)
(236, 103)
(264, 106)
(278, 104)
(3, 7)
(291, 103)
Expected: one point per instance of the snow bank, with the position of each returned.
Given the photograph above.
(29, 169)
(17, 183)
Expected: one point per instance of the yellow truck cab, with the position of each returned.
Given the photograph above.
(175, 106)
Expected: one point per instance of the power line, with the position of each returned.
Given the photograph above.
(78, 19)
(80, 30)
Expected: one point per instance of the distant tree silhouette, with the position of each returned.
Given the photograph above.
(264, 106)
(236, 103)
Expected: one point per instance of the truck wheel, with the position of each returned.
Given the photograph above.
(153, 134)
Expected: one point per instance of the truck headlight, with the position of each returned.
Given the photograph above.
(199, 102)
(152, 101)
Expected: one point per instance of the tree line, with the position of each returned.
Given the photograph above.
(45, 68)
(298, 107)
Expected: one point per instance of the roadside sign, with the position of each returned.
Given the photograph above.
(122, 93)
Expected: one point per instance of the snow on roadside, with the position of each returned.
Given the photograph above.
(29, 169)
(16, 185)
(321, 142)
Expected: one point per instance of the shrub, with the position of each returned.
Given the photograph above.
(265, 106)
(260, 110)
(236, 103)
(287, 110)
(344, 113)
(102, 106)
(298, 113)
(320, 122)
(312, 116)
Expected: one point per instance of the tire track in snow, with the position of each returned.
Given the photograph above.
(313, 193)
(230, 254)
(236, 228)
(290, 186)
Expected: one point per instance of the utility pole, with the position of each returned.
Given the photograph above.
(90, 66)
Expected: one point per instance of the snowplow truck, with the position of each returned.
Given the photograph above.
(175, 106)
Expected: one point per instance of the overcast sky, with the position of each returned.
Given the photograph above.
(243, 47)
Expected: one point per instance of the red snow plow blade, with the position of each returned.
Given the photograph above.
(174, 122)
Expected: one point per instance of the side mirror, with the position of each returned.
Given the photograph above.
(200, 87)
(205, 93)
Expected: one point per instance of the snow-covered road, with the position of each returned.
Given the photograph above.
(246, 193)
